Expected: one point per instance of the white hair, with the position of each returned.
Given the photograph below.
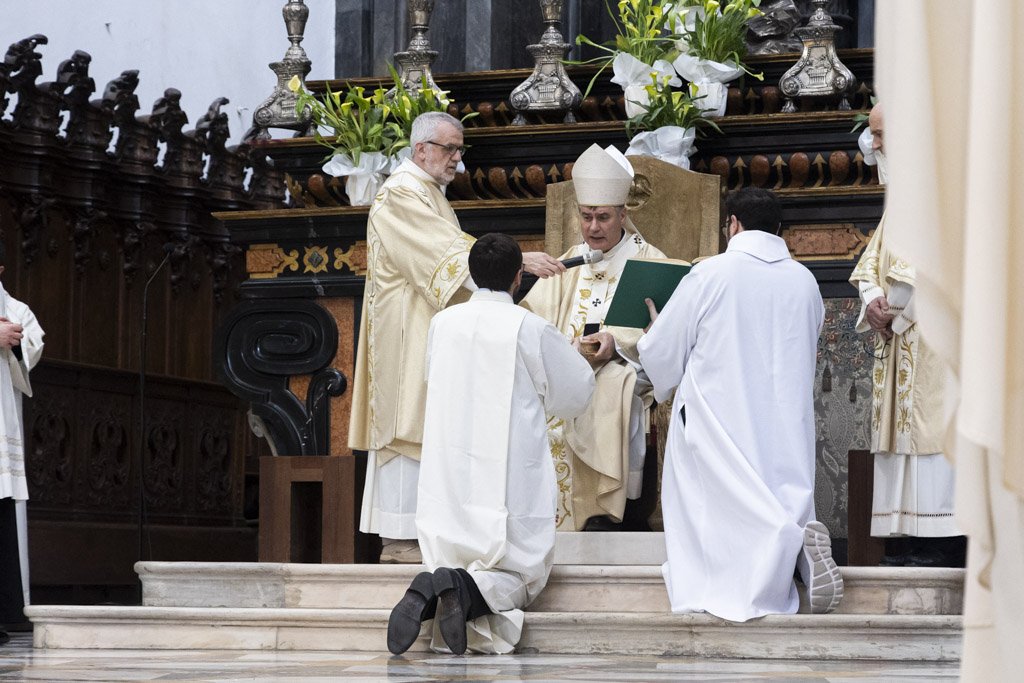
(425, 125)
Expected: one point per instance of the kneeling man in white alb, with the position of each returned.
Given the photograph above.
(739, 339)
(486, 513)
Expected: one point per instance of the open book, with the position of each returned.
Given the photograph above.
(642, 278)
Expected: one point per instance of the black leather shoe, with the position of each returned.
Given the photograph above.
(934, 555)
(416, 606)
(602, 523)
(453, 603)
(893, 560)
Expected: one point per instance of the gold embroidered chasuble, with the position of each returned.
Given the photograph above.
(591, 452)
(906, 380)
(417, 262)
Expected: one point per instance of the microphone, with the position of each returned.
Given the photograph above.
(592, 256)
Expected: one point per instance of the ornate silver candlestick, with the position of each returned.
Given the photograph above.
(818, 72)
(278, 110)
(414, 63)
(548, 88)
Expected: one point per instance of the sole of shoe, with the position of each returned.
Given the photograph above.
(407, 616)
(451, 614)
(824, 581)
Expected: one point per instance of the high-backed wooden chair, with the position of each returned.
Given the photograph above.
(678, 212)
(675, 210)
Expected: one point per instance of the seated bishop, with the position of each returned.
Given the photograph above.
(599, 456)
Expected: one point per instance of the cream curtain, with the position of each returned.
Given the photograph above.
(949, 73)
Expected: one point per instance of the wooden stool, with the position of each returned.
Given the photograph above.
(308, 509)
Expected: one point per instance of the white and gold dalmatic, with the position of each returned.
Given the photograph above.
(913, 482)
(599, 455)
(417, 264)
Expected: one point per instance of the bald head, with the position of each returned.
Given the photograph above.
(875, 124)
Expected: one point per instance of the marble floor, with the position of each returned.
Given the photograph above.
(19, 662)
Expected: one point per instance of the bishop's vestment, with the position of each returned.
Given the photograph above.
(599, 455)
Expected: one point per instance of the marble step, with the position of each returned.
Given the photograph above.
(610, 547)
(838, 637)
(571, 588)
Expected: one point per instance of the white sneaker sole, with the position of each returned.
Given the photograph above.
(824, 581)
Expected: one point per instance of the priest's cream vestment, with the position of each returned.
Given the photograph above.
(599, 455)
(487, 483)
(14, 383)
(416, 265)
(913, 482)
(739, 340)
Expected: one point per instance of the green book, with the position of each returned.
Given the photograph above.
(641, 279)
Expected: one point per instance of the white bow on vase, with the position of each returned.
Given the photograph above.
(710, 80)
(672, 144)
(634, 76)
(362, 180)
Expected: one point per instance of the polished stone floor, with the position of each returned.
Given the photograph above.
(19, 662)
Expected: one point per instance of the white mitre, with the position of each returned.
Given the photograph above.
(602, 177)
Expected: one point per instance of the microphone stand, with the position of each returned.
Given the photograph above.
(169, 249)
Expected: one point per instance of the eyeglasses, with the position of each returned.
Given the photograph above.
(450, 150)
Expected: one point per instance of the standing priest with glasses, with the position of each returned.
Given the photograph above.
(416, 266)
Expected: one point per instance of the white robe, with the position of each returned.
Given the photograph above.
(487, 482)
(14, 382)
(739, 340)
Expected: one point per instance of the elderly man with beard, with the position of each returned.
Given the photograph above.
(913, 481)
(416, 266)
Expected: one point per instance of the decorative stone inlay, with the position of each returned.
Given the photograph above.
(315, 260)
(838, 241)
(354, 258)
(264, 261)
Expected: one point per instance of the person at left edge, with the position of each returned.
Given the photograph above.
(21, 346)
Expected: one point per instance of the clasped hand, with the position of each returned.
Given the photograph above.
(10, 333)
(878, 316)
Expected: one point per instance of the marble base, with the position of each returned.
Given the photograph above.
(610, 547)
(820, 637)
(887, 613)
(571, 588)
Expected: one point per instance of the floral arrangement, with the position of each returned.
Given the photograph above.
(662, 42)
(716, 33)
(367, 132)
(712, 45)
(641, 53)
(668, 126)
